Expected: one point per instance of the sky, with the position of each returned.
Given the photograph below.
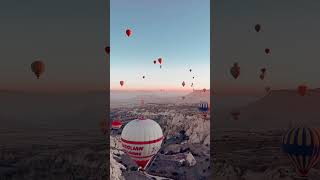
(289, 28)
(68, 36)
(177, 31)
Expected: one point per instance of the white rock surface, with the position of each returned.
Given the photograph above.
(196, 128)
(115, 167)
(190, 160)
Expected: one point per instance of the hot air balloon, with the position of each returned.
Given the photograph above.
(302, 147)
(183, 83)
(190, 70)
(154, 62)
(203, 108)
(143, 77)
(116, 124)
(204, 89)
(263, 70)
(107, 49)
(235, 70)
(121, 83)
(128, 32)
(38, 68)
(235, 115)
(257, 27)
(267, 89)
(141, 140)
(302, 90)
(192, 77)
(267, 51)
(160, 61)
(261, 76)
(191, 84)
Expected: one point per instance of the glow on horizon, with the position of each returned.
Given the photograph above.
(165, 78)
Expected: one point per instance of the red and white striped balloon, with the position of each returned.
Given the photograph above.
(116, 124)
(141, 139)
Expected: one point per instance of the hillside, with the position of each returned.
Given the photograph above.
(278, 109)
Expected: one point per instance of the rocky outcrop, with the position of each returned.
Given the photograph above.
(196, 128)
(115, 167)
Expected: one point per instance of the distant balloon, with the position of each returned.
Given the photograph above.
(121, 83)
(192, 77)
(160, 60)
(141, 140)
(257, 27)
(183, 83)
(263, 73)
(267, 51)
(116, 124)
(190, 70)
(235, 70)
(191, 84)
(38, 68)
(204, 89)
(235, 115)
(128, 32)
(107, 49)
(267, 89)
(143, 77)
(203, 108)
(302, 148)
(154, 62)
(302, 90)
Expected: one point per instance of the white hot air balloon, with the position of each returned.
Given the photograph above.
(141, 139)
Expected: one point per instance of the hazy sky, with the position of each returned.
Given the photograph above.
(69, 36)
(178, 31)
(289, 28)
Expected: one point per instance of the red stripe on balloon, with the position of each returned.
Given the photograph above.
(141, 142)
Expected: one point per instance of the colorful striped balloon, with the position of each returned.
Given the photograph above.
(302, 147)
(203, 106)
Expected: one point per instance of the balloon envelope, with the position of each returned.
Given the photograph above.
(107, 49)
(302, 147)
(267, 51)
(235, 115)
(38, 68)
(203, 106)
(128, 32)
(116, 124)
(235, 70)
(257, 27)
(302, 90)
(141, 139)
